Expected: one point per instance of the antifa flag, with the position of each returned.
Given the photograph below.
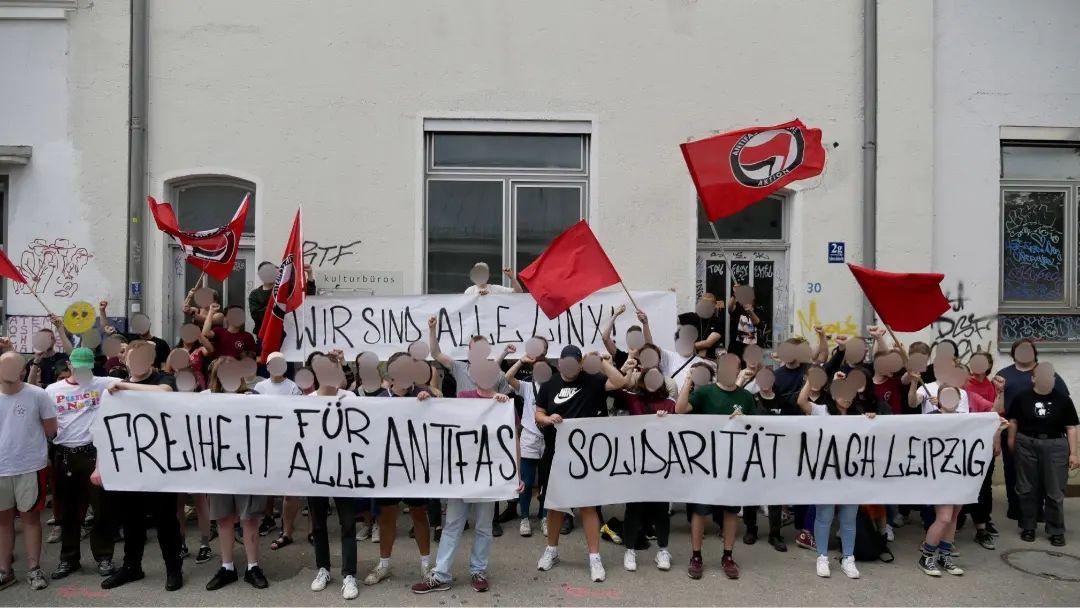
(734, 170)
(905, 301)
(212, 251)
(288, 293)
(9, 270)
(573, 267)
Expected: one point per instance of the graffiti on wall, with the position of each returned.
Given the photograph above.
(52, 267)
(318, 254)
(970, 332)
(809, 318)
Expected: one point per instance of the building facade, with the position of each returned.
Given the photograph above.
(420, 138)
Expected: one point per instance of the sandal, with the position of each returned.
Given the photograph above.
(280, 542)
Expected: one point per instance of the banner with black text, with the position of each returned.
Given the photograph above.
(388, 324)
(771, 460)
(307, 446)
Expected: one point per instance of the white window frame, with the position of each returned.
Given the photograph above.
(512, 178)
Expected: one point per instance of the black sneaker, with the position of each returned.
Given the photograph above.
(985, 540)
(1057, 540)
(105, 567)
(567, 526)
(992, 529)
(255, 577)
(778, 543)
(929, 565)
(266, 525)
(438, 533)
(174, 581)
(8, 578)
(184, 551)
(509, 513)
(1028, 536)
(64, 568)
(203, 555)
(222, 578)
(123, 576)
(750, 537)
(496, 529)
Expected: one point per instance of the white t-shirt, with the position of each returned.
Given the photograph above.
(341, 394)
(924, 401)
(475, 289)
(285, 387)
(22, 435)
(76, 408)
(818, 409)
(677, 367)
(532, 442)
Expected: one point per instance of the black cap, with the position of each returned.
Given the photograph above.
(570, 351)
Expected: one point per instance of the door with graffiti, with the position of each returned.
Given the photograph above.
(718, 271)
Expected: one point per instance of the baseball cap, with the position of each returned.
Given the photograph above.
(570, 351)
(82, 358)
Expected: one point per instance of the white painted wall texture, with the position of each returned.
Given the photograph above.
(996, 63)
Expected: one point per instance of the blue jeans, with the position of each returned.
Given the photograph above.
(823, 524)
(529, 467)
(457, 512)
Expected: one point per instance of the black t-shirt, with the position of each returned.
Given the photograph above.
(157, 378)
(1037, 414)
(47, 367)
(788, 382)
(740, 323)
(705, 327)
(583, 397)
(161, 347)
(777, 406)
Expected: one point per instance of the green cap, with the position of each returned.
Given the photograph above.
(82, 358)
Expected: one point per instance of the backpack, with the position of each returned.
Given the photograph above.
(870, 545)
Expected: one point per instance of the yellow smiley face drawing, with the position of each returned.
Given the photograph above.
(79, 317)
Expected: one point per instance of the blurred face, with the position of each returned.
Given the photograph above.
(139, 359)
(705, 308)
(42, 341)
(817, 378)
(268, 273)
(541, 372)
(948, 399)
(1024, 354)
(235, 317)
(635, 339)
(140, 324)
(479, 275)
(536, 348)
(276, 364)
(979, 364)
(765, 379)
(1043, 378)
(11, 367)
(569, 367)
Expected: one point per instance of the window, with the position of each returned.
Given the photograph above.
(763, 220)
(499, 198)
(1040, 247)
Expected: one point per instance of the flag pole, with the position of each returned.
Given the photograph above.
(636, 307)
(903, 355)
(38, 298)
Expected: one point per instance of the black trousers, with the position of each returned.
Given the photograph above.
(1008, 462)
(132, 509)
(980, 511)
(319, 506)
(750, 515)
(73, 490)
(639, 513)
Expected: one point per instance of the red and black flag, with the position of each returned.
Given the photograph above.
(732, 171)
(288, 293)
(212, 251)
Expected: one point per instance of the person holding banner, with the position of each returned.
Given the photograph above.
(41, 369)
(27, 419)
(768, 403)
(138, 329)
(401, 385)
(330, 375)
(77, 400)
(723, 397)
(530, 439)
(481, 274)
(457, 510)
(573, 394)
(226, 376)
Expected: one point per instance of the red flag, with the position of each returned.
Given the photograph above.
(905, 301)
(732, 171)
(288, 293)
(573, 267)
(213, 251)
(9, 270)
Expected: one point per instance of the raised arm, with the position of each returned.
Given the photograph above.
(510, 348)
(615, 379)
(510, 274)
(645, 329)
(821, 355)
(803, 401)
(511, 374)
(65, 341)
(433, 344)
(146, 388)
(913, 399)
(682, 404)
(878, 333)
(609, 343)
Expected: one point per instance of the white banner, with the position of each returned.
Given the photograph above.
(307, 446)
(771, 460)
(388, 324)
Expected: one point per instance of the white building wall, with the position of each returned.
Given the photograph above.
(997, 63)
(322, 106)
(64, 95)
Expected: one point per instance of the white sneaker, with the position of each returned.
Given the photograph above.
(597, 572)
(377, 575)
(322, 577)
(823, 566)
(525, 527)
(349, 590)
(629, 560)
(363, 532)
(663, 560)
(375, 533)
(425, 569)
(548, 560)
(848, 566)
(889, 534)
(543, 527)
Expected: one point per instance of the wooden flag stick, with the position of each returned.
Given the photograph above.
(38, 298)
(904, 357)
(636, 307)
